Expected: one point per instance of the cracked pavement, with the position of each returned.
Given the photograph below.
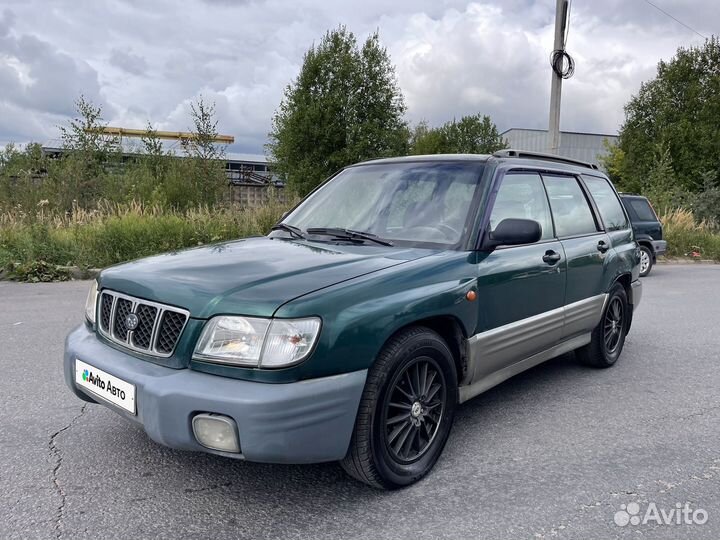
(552, 453)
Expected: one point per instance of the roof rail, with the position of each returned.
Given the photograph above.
(511, 153)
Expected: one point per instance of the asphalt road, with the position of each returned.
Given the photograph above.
(554, 452)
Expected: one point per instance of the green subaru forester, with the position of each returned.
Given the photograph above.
(393, 292)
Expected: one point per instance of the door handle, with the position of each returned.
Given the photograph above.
(551, 257)
(602, 246)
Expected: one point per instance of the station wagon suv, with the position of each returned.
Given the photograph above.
(647, 229)
(395, 291)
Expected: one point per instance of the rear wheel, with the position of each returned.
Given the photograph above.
(608, 337)
(646, 261)
(406, 411)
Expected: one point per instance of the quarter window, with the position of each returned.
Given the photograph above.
(570, 209)
(643, 210)
(608, 204)
(521, 196)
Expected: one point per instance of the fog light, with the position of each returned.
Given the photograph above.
(217, 432)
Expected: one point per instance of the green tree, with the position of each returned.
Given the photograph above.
(203, 144)
(90, 155)
(474, 134)
(679, 109)
(84, 134)
(345, 106)
(660, 184)
(427, 140)
(199, 178)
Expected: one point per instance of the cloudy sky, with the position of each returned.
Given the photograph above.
(148, 59)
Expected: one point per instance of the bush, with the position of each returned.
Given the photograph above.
(36, 271)
(685, 235)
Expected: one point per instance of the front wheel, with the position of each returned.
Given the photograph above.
(608, 337)
(406, 411)
(646, 261)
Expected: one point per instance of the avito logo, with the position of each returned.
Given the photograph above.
(682, 514)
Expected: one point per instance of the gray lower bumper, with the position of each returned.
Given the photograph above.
(659, 247)
(304, 422)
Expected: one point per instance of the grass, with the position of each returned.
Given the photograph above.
(33, 244)
(685, 235)
(117, 233)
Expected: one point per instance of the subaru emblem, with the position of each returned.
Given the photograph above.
(131, 321)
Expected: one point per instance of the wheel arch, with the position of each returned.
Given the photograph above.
(451, 330)
(625, 280)
(646, 242)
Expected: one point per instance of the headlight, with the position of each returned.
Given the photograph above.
(90, 303)
(254, 342)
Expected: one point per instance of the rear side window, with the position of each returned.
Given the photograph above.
(611, 211)
(643, 210)
(570, 208)
(521, 196)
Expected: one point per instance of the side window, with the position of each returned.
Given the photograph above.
(608, 204)
(570, 208)
(643, 210)
(521, 196)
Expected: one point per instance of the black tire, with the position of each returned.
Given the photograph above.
(646, 260)
(372, 457)
(608, 337)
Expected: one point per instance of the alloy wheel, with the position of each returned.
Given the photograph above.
(613, 325)
(414, 409)
(644, 261)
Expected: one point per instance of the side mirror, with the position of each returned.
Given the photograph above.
(513, 232)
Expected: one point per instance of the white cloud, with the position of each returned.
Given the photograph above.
(148, 60)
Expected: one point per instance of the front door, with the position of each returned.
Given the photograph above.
(521, 289)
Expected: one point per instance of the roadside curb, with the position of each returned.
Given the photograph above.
(686, 261)
(76, 272)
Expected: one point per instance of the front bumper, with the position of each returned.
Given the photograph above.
(659, 247)
(303, 422)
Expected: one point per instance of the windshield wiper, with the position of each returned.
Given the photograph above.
(349, 234)
(292, 229)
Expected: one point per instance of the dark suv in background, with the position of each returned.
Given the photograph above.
(647, 228)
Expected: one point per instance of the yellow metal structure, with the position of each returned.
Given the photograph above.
(172, 135)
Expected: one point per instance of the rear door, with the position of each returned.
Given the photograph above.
(586, 246)
(612, 214)
(521, 289)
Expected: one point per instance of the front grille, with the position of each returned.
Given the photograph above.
(155, 328)
(106, 304)
(143, 334)
(171, 327)
(123, 308)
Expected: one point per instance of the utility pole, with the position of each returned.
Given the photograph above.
(561, 11)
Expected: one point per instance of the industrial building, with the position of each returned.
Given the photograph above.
(589, 147)
(241, 169)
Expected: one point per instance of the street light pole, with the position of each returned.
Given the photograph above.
(556, 84)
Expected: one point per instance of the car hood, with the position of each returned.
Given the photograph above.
(253, 276)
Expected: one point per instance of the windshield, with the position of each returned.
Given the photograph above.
(406, 203)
